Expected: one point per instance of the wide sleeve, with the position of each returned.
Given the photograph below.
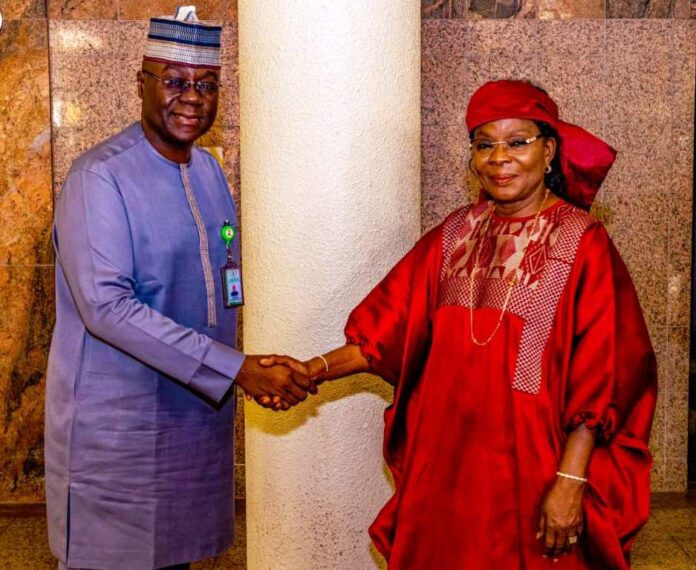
(612, 363)
(393, 323)
(393, 327)
(611, 387)
(95, 252)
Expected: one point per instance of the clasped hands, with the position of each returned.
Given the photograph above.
(278, 382)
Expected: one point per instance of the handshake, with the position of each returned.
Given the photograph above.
(279, 382)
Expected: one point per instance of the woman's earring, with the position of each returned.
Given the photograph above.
(547, 169)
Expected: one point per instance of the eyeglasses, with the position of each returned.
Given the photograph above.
(177, 85)
(516, 145)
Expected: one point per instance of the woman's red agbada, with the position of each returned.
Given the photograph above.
(477, 431)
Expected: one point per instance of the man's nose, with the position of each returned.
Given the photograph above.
(190, 94)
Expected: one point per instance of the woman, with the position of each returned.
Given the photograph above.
(525, 378)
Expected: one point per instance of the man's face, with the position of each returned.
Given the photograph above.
(173, 118)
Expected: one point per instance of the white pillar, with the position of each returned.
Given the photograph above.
(330, 166)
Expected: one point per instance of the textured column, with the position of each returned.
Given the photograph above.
(330, 166)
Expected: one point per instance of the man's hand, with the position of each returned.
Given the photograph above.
(340, 362)
(279, 384)
(299, 370)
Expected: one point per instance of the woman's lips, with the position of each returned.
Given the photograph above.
(502, 180)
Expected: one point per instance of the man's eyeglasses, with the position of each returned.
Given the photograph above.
(177, 85)
(516, 145)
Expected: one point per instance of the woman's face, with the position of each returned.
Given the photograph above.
(513, 173)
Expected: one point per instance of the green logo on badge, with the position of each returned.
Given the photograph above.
(227, 233)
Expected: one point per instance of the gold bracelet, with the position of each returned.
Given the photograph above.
(326, 363)
(573, 477)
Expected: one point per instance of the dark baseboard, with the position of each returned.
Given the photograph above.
(22, 510)
(26, 510)
(673, 500)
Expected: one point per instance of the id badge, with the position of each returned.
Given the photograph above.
(233, 294)
(232, 285)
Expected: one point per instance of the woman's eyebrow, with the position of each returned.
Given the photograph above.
(516, 132)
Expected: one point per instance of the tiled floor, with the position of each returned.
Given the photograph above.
(24, 545)
(668, 542)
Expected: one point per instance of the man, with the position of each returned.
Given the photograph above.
(140, 403)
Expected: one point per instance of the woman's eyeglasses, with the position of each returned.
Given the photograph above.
(515, 145)
(177, 85)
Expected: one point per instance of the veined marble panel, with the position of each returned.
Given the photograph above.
(19, 9)
(647, 8)
(557, 9)
(26, 321)
(25, 137)
(26, 273)
(567, 9)
(443, 8)
(502, 9)
(206, 9)
(133, 9)
(82, 9)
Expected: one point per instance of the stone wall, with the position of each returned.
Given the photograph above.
(623, 69)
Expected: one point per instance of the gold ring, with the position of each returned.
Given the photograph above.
(572, 539)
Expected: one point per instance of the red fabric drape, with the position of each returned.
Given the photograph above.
(472, 458)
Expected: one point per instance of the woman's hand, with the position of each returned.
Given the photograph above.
(561, 517)
(339, 362)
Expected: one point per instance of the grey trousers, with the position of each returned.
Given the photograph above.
(62, 566)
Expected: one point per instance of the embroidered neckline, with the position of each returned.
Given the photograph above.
(546, 268)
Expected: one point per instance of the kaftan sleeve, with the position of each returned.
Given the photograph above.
(95, 252)
(611, 387)
(612, 363)
(392, 324)
(393, 328)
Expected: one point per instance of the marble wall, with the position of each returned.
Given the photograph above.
(622, 68)
(69, 71)
(551, 9)
(630, 82)
(26, 272)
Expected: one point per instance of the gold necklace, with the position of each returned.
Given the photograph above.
(511, 284)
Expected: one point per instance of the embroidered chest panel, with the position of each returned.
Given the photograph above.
(540, 272)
